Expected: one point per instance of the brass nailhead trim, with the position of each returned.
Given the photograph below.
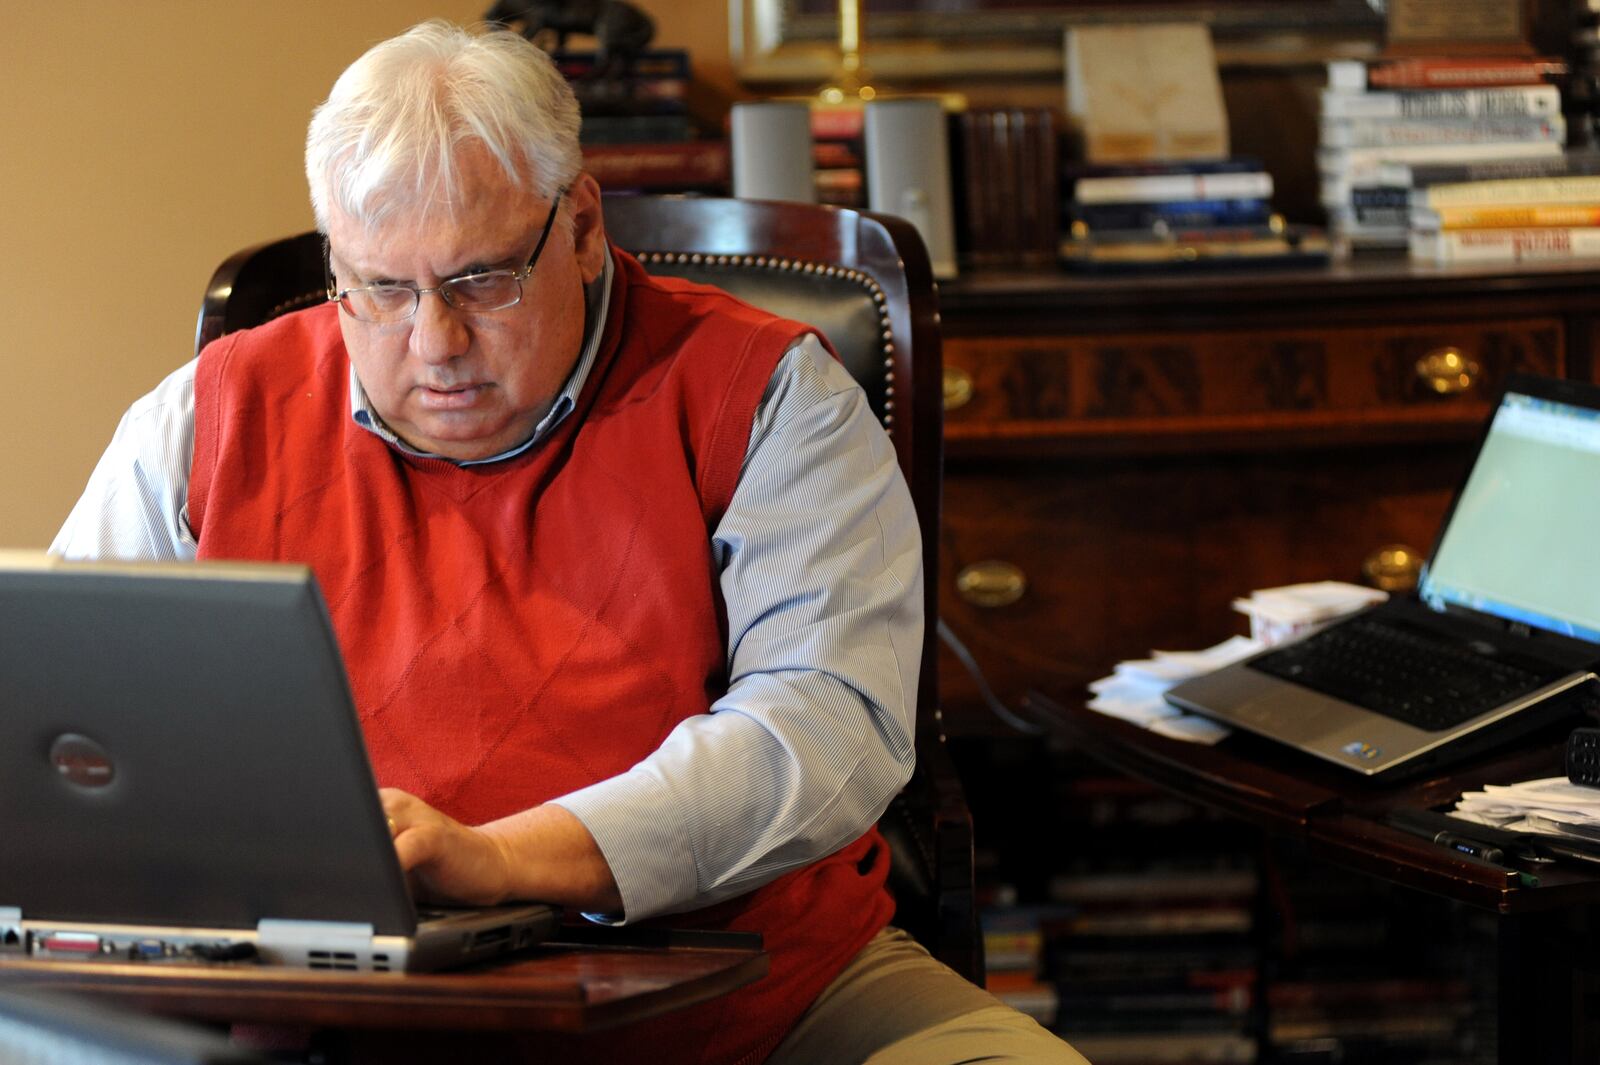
(865, 280)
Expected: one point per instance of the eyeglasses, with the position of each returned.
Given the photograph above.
(479, 292)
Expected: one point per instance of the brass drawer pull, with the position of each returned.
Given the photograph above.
(957, 387)
(991, 584)
(1448, 371)
(1393, 568)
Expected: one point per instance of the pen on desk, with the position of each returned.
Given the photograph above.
(1486, 851)
(1490, 854)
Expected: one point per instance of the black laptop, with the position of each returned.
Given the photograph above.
(182, 775)
(1503, 635)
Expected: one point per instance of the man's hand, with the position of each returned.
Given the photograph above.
(542, 854)
(446, 860)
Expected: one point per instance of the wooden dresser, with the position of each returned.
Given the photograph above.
(1125, 456)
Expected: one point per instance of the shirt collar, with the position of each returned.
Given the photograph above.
(597, 298)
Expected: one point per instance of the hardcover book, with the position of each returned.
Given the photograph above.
(1443, 72)
(1453, 103)
(1425, 175)
(1412, 132)
(1159, 188)
(688, 166)
(1514, 191)
(1506, 245)
(1145, 92)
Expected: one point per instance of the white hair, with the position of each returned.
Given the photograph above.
(394, 125)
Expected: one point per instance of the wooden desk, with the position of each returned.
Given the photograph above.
(559, 989)
(1123, 455)
(1549, 1007)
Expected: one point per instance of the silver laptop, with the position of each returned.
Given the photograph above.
(1503, 635)
(182, 776)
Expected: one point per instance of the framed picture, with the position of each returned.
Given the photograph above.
(797, 40)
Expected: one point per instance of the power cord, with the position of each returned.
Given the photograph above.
(990, 699)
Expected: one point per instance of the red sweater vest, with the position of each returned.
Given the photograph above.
(519, 630)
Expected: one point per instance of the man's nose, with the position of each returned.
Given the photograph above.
(438, 333)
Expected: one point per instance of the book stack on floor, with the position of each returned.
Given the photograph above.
(637, 134)
(1178, 215)
(1013, 951)
(1371, 973)
(1157, 964)
(1155, 955)
(1540, 210)
(1384, 118)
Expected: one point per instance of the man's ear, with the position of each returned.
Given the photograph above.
(588, 226)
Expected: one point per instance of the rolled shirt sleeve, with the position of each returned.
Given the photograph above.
(821, 570)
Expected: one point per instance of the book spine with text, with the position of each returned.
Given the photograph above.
(1414, 132)
(1515, 192)
(661, 167)
(1440, 72)
(1171, 187)
(1506, 245)
(1455, 103)
(1177, 214)
(1330, 159)
(1422, 175)
(1500, 216)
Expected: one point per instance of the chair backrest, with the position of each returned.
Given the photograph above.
(864, 281)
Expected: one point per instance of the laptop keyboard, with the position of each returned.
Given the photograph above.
(1398, 672)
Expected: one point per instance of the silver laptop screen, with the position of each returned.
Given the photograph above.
(1521, 543)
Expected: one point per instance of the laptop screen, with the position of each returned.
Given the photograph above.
(1520, 541)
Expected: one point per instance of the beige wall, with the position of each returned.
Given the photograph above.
(139, 145)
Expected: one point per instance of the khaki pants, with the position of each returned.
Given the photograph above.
(895, 1005)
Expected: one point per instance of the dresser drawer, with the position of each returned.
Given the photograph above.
(1051, 576)
(1306, 382)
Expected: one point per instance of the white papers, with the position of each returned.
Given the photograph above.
(1277, 614)
(1134, 690)
(1552, 805)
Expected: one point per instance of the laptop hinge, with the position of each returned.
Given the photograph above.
(13, 940)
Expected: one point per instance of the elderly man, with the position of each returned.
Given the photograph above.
(624, 572)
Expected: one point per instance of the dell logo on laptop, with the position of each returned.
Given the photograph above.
(81, 761)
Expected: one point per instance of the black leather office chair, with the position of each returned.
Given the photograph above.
(865, 282)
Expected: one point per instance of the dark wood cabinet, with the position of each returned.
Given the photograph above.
(1124, 456)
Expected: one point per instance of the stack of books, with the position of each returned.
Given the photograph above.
(1431, 1000)
(1163, 215)
(1156, 957)
(637, 134)
(1013, 953)
(1007, 179)
(1546, 210)
(837, 153)
(1383, 117)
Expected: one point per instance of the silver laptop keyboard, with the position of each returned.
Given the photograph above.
(1398, 672)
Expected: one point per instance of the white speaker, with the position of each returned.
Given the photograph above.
(771, 145)
(908, 172)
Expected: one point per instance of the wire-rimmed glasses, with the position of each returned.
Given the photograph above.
(477, 292)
